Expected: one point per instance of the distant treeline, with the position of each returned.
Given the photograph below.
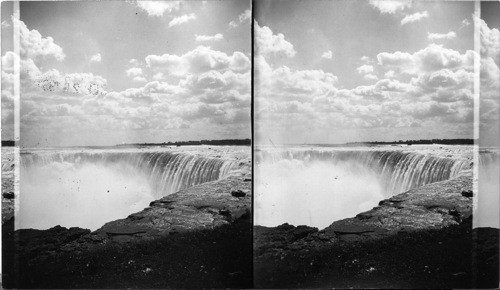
(201, 142)
(419, 142)
(8, 143)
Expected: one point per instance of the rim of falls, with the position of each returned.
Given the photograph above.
(323, 184)
(88, 187)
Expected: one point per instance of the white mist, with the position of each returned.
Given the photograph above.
(312, 193)
(83, 194)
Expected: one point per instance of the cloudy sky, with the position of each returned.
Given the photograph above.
(111, 72)
(343, 71)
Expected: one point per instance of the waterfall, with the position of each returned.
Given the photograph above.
(167, 172)
(398, 170)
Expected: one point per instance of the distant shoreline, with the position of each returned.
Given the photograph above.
(406, 142)
(400, 142)
(224, 142)
(248, 142)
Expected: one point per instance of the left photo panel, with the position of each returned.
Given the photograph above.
(126, 144)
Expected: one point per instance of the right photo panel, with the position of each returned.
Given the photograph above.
(376, 157)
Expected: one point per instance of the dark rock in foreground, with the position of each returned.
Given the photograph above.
(238, 193)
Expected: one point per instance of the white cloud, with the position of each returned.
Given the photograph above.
(365, 59)
(96, 58)
(181, 19)
(414, 17)
(365, 69)
(441, 36)
(34, 46)
(158, 8)
(490, 41)
(431, 58)
(390, 6)
(199, 60)
(134, 71)
(327, 54)
(465, 22)
(215, 37)
(389, 74)
(241, 18)
(370, 77)
(268, 43)
(209, 96)
(428, 89)
(139, 79)
(490, 83)
(5, 24)
(158, 76)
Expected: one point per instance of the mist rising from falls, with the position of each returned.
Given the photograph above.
(87, 189)
(312, 193)
(316, 187)
(487, 212)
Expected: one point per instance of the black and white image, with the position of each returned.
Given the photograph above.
(134, 144)
(365, 144)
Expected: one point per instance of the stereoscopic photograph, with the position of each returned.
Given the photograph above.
(376, 155)
(130, 140)
(267, 144)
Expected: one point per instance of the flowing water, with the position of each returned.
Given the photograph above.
(318, 185)
(88, 187)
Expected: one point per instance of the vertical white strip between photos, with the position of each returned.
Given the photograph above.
(1, 53)
(17, 108)
(477, 83)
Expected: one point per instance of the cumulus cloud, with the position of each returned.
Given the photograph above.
(139, 79)
(96, 58)
(216, 37)
(209, 99)
(415, 17)
(390, 6)
(34, 46)
(365, 69)
(441, 36)
(433, 57)
(199, 60)
(370, 77)
(158, 8)
(490, 83)
(268, 43)
(181, 19)
(424, 90)
(241, 18)
(327, 54)
(134, 71)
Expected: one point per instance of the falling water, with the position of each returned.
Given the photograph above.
(320, 185)
(167, 172)
(87, 188)
(399, 171)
